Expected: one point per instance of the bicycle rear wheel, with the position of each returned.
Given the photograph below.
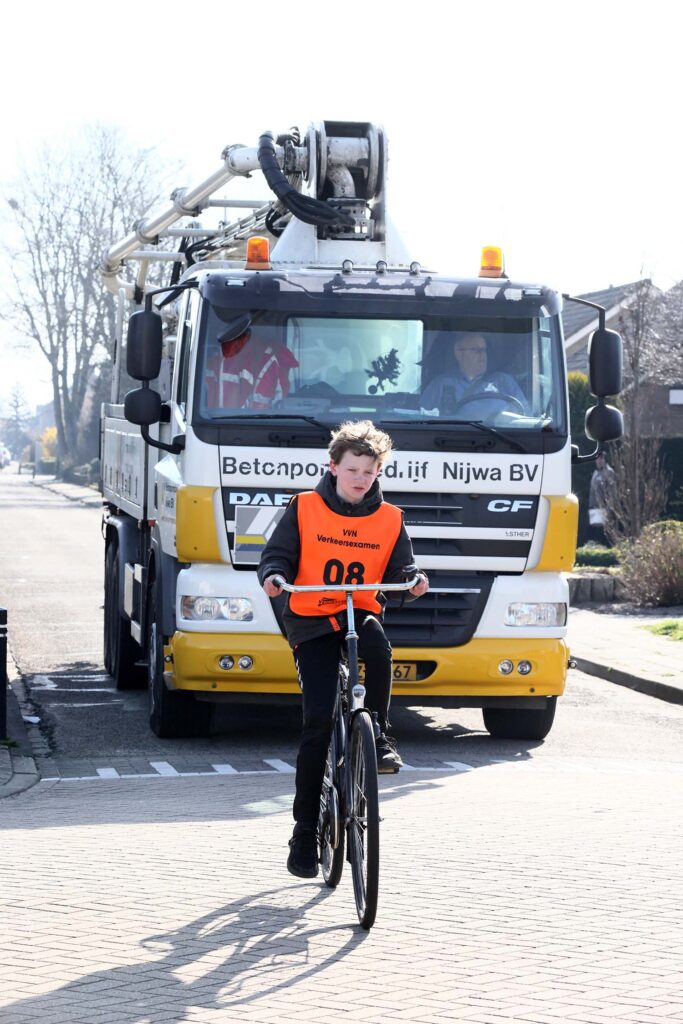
(363, 826)
(330, 825)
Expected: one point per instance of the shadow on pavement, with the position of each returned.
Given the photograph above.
(248, 949)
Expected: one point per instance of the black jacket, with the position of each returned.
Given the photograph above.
(281, 556)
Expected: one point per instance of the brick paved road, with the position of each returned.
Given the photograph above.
(509, 893)
(543, 889)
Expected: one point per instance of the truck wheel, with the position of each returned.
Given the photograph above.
(122, 654)
(172, 714)
(520, 723)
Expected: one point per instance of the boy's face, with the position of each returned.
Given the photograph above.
(355, 475)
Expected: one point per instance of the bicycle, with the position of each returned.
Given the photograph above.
(349, 801)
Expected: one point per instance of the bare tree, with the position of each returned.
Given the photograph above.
(66, 207)
(16, 421)
(640, 493)
(651, 327)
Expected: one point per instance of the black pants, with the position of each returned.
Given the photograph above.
(317, 663)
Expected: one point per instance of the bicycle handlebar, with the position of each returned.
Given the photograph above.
(348, 588)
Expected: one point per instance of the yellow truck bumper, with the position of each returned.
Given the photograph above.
(468, 671)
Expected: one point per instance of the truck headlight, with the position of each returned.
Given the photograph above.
(542, 613)
(215, 609)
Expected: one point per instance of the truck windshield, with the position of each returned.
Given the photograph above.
(504, 372)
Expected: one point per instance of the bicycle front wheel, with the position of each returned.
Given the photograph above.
(363, 825)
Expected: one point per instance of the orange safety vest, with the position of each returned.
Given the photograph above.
(339, 549)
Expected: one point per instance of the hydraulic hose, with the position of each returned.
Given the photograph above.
(305, 208)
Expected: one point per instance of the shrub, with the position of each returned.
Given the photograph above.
(48, 440)
(652, 565)
(596, 554)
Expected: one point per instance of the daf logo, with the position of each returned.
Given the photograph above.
(505, 505)
(263, 498)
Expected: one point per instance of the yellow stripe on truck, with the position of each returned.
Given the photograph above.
(559, 547)
(471, 670)
(196, 537)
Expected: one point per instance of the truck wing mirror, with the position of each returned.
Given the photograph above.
(604, 423)
(605, 363)
(142, 407)
(143, 350)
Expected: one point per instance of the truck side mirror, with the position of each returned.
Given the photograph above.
(605, 363)
(142, 406)
(143, 350)
(604, 423)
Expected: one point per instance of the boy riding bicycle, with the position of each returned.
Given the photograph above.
(343, 532)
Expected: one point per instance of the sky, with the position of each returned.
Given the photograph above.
(550, 129)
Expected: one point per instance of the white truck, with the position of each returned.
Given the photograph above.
(239, 389)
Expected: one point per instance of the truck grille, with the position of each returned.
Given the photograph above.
(439, 619)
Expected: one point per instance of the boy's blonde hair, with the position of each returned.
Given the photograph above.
(361, 437)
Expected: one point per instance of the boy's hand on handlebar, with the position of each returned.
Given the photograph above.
(271, 588)
(420, 588)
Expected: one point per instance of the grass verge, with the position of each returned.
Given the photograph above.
(672, 628)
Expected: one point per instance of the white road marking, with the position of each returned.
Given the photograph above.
(92, 676)
(280, 766)
(42, 683)
(71, 689)
(94, 704)
(164, 768)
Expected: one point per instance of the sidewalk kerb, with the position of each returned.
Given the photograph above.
(25, 773)
(88, 496)
(650, 687)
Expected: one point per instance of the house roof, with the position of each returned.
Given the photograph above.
(576, 317)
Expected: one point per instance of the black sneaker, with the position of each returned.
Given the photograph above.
(388, 758)
(303, 851)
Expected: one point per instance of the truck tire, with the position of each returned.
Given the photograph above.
(520, 723)
(172, 714)
(123, 658)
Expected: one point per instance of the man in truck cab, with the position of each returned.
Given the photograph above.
(348, 495)
(469, 388)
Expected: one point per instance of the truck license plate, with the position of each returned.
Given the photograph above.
(403, 672)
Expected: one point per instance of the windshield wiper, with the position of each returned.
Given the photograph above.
(276, 416)
(480, 425)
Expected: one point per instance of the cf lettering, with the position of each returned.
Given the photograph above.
(505, 505)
